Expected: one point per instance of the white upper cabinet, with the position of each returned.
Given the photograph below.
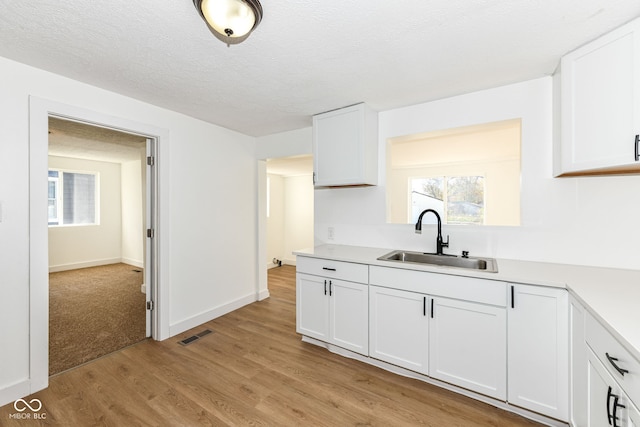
(345, 147)
(600, 105)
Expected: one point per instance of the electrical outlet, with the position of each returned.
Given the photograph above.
(330, 233)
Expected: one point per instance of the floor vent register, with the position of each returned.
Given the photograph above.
(195, 337)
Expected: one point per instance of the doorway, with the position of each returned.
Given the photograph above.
(40, 110)
(289, 208)
(96, 216)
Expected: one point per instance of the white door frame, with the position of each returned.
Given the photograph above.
(39, 112)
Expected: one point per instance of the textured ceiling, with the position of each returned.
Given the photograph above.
(307, 56)
(82, 141)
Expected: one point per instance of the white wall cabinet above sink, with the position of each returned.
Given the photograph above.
(600, 105)
(345, 147)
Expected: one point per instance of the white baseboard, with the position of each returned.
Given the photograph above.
(284, 262)
(14, 392)
(263, 294)
(77, 265)
(208, 315)
(96, 263)
(134, 262)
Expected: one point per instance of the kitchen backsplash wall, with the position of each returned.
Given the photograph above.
(586, 221)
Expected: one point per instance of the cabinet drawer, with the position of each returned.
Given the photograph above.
(607, 348)
(334, 269)
(457, 287)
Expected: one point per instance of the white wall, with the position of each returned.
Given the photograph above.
(284, 144)
(275, 220)
(298, 214)
(133, 198)
(586, 221)
(89, 245)
(208, 187)
(290, 223)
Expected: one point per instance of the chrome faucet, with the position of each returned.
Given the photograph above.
(439, 242)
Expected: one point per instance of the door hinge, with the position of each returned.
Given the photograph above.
(149, 305)
(151, 233)
(151, 160)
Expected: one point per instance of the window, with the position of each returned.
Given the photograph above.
(469, 175)
(463, 197)
(72, 198)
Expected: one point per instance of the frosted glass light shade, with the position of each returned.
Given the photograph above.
(230, 20)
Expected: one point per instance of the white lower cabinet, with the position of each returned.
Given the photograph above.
(608, 405)
(538, 367)
(634, 415)
(506, 341)
(349, 316)
(334, 311)
(399, 328)
(605, 385)
(578, 360)
(468, 346)
(312, 307)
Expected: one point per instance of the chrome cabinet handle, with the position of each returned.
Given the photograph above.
(637, 148)
(613, 361)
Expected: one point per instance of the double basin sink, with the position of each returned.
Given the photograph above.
(471, 263)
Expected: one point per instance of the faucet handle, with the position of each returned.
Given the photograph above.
(446, 244)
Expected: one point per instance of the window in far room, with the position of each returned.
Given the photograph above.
(72, 198)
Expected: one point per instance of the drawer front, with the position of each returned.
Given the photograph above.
(608, 349)
(464, 288)
(333, 269)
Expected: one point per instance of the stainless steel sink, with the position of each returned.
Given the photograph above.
(484, 264)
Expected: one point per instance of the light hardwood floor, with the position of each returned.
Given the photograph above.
(252, 370)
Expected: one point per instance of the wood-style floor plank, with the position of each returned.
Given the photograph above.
(253, 370)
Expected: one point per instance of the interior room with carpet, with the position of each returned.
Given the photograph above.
(277, 298)
(97, 194)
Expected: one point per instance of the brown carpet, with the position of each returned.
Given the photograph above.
(92, 312)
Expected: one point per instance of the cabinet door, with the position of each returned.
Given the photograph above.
(312, 306)
(600, 97)
(349, 315)
(399, 328)
(467, 346)
(634, 416)
(538, 339)
(606, 399)
(578, 363)
(345, 146)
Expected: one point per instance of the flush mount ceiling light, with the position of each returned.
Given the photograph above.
(231, 21)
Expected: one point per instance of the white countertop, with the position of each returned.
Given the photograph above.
(611, 295)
